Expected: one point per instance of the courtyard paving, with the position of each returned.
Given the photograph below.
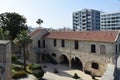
(64, 73)
(30, 77)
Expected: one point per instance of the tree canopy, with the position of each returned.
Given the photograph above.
(12, 22)
(39, 21)
(3, 34)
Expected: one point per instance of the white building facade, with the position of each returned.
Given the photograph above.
(110, 21)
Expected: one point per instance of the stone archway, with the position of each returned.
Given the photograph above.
(64, 60)
(76, 63)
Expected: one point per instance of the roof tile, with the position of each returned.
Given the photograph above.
(104, 36)
(35, 32)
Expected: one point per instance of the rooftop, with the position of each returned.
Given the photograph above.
(101, 36)
(35, 32)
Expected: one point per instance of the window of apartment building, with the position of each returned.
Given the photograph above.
(76, 44)
(43, 43)
(102, 49)
(89, 29)
(63, 43)
(108, 21)
(54, 42)
(39, 44)
(76, 13)
(95, 65)
(83, 27)
(93, 48)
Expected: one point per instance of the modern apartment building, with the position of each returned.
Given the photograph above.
(110, 21)
(86, 20)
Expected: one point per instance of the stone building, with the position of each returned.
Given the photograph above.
(87, 51)
(5, 60)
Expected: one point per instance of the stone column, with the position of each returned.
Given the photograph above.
(69, 63)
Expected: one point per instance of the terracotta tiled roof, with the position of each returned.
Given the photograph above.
(104, 36)
(35, 32)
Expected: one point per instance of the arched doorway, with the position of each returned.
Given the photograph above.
(76, 63)
(64, 60)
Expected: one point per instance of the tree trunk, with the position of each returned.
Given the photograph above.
(24, 57)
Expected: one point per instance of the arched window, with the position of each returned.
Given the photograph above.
(93, 48)
(102, 49)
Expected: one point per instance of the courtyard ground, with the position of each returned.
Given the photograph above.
(30, 77)
(64, 73)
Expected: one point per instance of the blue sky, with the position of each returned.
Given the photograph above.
(55, 13)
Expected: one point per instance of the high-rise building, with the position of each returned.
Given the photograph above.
(110, 21)
(86, 20)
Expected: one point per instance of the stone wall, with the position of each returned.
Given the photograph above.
(84, 53)
(33, 48)
(5, 61)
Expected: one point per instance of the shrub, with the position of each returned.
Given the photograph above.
(36, 70)
(17, 68)
(38, 73)
(76, 76)
(14, 58)
(19, 74)
(29, 70)
(35, 67)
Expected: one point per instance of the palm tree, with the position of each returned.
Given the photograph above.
(23, 39)
(39, 21)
